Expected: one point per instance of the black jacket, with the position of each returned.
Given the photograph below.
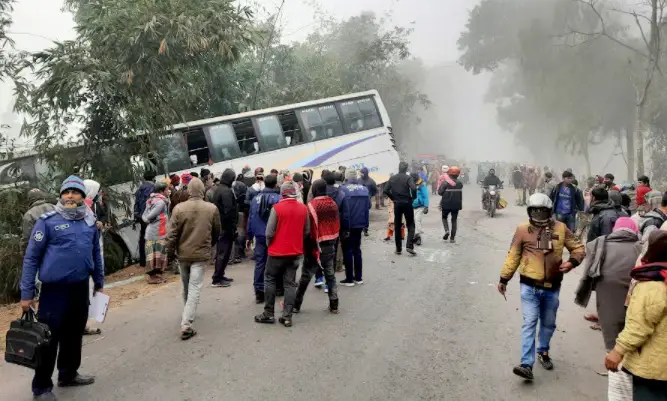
(605, 215)
(401, 188)
(225, 201)
(576, 193)
(517, 179)
(452, 196)
(491, 180)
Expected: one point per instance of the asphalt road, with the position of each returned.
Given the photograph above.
(430, 327)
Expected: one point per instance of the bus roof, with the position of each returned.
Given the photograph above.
(253, 113)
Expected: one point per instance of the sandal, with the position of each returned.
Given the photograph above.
(92, 332)
(596, 326)
(188, 334)
(591, 317)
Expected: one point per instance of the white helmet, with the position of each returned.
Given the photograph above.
(538, 200)
(445, 169)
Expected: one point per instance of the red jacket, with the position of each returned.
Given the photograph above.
(641, 195)
(287, 226)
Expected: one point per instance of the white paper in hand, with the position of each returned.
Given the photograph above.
(98, 307)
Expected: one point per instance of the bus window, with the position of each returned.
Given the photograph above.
(291, 128)
(223, 144)
(321, 122)
(174, 152)
(245, 136)
(360, 115)
(18, 170)
(197, 146)
(270, 133)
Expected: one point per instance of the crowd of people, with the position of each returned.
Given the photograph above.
(616, 235)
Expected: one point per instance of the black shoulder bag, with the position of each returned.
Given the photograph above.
(27, 341)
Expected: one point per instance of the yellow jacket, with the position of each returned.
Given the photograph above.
(643, 341)
(538, 267)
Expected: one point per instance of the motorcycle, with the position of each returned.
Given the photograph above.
(491, 199)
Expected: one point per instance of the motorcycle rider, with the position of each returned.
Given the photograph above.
(537, 252)
(490, 179)
(451, 203)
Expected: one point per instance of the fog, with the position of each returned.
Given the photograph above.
(461, 123)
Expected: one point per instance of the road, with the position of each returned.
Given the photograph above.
(430, 327)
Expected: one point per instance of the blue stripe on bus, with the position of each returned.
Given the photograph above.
(322, 157)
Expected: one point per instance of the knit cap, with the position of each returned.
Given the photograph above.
(185, 178)
(288, 190)
(73, 182)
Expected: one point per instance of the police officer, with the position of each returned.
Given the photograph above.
(64, 248)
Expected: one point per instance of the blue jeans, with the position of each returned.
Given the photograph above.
(570, 220)
(537, 304)
(261, 254)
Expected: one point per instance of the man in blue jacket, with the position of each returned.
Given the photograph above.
(355, 216)
(64, 248)
(260, 209)
(420, 205)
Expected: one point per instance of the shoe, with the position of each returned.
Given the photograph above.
(48, 396)
(231, 280)
(188, 334)
(452, 241)
(235, 261)
(221, 284)
(358, 282)
(333, 306)
(347, 283)
(398, 252)
(524, 371)
(326, 289)
(286, 321)
(418, 241)
(319, 282)
(387, 239)
(445, 237)
(262, 318)
(259, 297)
(78, 380)
(545, 361)
(411, 251)
(365, 233)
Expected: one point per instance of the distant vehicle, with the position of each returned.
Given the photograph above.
(351, 130)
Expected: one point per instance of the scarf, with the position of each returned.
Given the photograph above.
(650, 272)
(81, 212)
(324, 218)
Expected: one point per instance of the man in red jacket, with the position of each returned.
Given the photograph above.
(643, 188)
(286, 230)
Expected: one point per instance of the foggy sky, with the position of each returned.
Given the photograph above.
(464, 125)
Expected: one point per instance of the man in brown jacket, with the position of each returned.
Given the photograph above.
(537, 252)
(193, 228)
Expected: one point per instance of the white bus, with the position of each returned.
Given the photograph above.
(351, 130)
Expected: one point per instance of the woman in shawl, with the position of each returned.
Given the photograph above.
(156, 216)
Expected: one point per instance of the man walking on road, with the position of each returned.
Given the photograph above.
(567, 200)
(420, 206)
(68, 230)
(401, 189)
(286, 230)
(260, 209)
(225, 201)
(355, 218)
(193, 227)
(537, 251)
(321, 245)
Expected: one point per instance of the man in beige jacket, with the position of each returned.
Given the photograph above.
(193, 227)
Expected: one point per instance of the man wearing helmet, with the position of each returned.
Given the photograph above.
(537, 252)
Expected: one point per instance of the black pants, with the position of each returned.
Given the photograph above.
(400, 210)
(352, 255)
(311, 267)
(445, 223)
(648, 390)
(224, 249)
(142, 244)
(285, 267)
(64, 308)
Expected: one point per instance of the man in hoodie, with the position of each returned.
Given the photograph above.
(286, 230)
(401, 189)
(57, 235)
(225, 201)
(321, 245)
(140, 197)
(605, 213)
(260, 209)
(193, 228)
(355, 218)
(372, 187)
(420, 205)
(39, 205)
